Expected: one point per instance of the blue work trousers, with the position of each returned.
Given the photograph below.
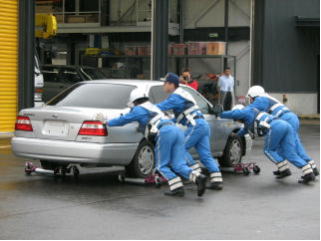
(198, 136)
(170, 153)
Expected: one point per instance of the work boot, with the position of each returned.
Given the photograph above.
(216, 181)
(316, 171)
(201, 184)
(307, 178)
(283, 170)
(282, 174)
(308, 175)
(200, 180)
(314, 168)
(178, 192)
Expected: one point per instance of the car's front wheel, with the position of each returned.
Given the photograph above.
(143, 162)
(232, 152)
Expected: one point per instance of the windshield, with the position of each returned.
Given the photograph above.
(97, 95)
(60, 74)
(94, 73)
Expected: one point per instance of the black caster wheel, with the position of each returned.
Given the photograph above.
(27, 172)
(256, 170)
(246, 171)
(121, 178)
(158, 183)
(76, 172)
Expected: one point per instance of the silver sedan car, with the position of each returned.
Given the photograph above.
(71, 129)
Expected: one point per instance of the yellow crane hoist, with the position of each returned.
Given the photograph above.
(46, 25)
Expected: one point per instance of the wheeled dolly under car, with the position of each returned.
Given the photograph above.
(58, 171)
(154, 179)
(244, 168)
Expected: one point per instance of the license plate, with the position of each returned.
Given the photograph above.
(55, 128)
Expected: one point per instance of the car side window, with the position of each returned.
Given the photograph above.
(157, 94)
(203, 105)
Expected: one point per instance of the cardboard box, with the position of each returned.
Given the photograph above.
(131, 51)
(215, 48)
(76, 19)
(196, 48)
(179, 49)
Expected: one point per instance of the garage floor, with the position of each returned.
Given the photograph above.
(97, 206)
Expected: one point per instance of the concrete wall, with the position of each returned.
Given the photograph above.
(302, 104)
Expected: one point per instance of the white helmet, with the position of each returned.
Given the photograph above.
(238, 107)
(255, 91)
(135, 95)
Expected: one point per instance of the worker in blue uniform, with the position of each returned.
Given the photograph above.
(169, 147)
(198, 131)
(264, 102)
(279, 143)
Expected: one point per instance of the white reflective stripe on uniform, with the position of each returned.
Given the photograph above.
(307, 169)
(174, 180)
(196, 167)
(259, 116)
(273, 107)
(193, 176)
(216, 174)
(279, 113)
(216, 177)
(175, 186)
(184, 94)
(312, 163)
(187, 113)
(155, 120)
(282, 166)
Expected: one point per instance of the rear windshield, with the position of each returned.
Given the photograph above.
(94, 96)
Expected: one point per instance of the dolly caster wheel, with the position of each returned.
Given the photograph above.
(28, 168)
(121, 178)
(246, 171)
(256, 170)
(76, 172)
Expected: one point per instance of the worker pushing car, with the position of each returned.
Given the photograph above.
(264, 102)
(198, 131)
(169, 146)
(279, 143)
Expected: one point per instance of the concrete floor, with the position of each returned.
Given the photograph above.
(97, 206)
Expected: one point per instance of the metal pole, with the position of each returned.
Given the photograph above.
(226, 17)
(159, 57)
(26, 53)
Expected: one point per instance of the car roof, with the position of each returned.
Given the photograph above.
(138, 83)
(67, 66)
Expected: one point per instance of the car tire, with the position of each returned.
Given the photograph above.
(143, 162)
(232, 152)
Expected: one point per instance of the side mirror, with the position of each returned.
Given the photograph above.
(217, 109)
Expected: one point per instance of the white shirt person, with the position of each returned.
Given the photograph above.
(226, 88)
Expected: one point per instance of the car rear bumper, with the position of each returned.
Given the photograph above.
(74, 152)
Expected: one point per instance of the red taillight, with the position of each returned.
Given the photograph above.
(93, 128)
(23, 123)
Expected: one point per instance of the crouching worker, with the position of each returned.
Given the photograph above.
(169, 139)
(198, 131)
(279, 143)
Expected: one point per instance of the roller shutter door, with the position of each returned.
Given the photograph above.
(8, 64)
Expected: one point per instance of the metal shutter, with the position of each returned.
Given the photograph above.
(8, 64)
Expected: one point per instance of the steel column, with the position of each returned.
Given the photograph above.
(26, 53)
(159, 60)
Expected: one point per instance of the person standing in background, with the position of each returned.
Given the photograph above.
(186, 78)
(226, 89)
